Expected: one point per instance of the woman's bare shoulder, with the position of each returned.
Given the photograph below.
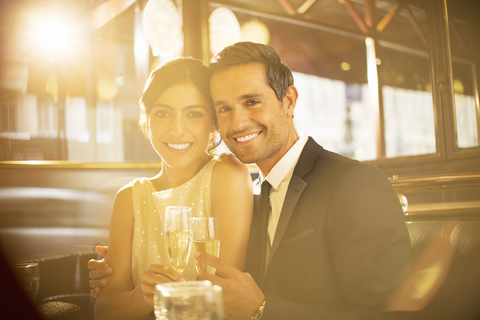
(229, 162)
(229, 169)
(125, 193)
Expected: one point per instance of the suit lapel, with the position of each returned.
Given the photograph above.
(295, 188)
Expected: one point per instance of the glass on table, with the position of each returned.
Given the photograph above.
(206, 238)
(178, 236)
(28, 274)
(199, 300)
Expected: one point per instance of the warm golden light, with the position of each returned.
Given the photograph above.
(53, 35)
(255, 31)
(107, 88)
(458, 86)
(224, 29)
(345, 66)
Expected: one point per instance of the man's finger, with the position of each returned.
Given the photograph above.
(101, 250)
(100, 273)
(97, 283)
(223, 269)
(93, 264)
(94, 292)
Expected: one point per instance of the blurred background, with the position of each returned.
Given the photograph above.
(390, 82)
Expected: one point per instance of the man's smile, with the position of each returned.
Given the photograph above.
(248, 137)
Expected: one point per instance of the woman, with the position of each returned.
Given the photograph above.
(178, 118)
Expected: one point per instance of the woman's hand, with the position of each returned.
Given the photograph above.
(157, 274)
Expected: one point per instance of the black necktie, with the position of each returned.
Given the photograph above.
(264, 211)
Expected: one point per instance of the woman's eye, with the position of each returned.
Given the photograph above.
(195, 114)
(162, 114)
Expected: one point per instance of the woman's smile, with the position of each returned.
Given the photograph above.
(182, 147)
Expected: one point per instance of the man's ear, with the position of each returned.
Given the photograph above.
(290, 100)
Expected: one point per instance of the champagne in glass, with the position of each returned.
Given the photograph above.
(206, 238)
(178, 236)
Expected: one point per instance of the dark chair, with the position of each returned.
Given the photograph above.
(64, 290)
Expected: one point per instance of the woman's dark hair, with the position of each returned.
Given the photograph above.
(175, 72)
(279, 75)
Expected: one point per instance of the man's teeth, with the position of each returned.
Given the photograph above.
(179, 146)
(247, 138)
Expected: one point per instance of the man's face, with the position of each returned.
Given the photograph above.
(252, 122)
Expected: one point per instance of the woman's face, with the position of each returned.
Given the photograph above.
(180, 124)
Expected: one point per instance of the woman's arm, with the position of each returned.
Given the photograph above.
(232, 203)
(117, 300)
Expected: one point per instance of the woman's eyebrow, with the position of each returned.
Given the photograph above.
(193, 106)
(160, 105)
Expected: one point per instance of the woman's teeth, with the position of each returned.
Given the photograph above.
(179, 146)
(247, 138)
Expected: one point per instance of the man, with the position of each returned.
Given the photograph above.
(328, 241)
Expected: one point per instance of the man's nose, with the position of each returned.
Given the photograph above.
(240, 119)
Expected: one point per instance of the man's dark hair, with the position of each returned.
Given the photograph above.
(279, 75)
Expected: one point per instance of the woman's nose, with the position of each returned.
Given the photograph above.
(178, 127)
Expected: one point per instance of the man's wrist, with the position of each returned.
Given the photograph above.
(259, 313)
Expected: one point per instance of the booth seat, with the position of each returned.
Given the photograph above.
(444, 282)
(64, 292)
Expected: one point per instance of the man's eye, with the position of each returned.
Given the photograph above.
(252, 102)
(223, 109)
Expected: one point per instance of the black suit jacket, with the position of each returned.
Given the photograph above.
(341, 243)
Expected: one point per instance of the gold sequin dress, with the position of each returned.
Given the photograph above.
(148, 246)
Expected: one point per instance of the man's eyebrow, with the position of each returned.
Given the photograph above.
(242, 97)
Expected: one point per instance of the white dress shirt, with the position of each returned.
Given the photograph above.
(279, 178)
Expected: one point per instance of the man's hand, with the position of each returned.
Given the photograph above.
(157, 274)
(99, 270)
(242, 296)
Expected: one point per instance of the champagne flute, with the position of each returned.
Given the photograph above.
(28, 274)
(178, 236)
(206, 238)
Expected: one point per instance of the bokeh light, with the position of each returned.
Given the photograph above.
(255, 31)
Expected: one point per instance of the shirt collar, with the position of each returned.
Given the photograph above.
(286, 163)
